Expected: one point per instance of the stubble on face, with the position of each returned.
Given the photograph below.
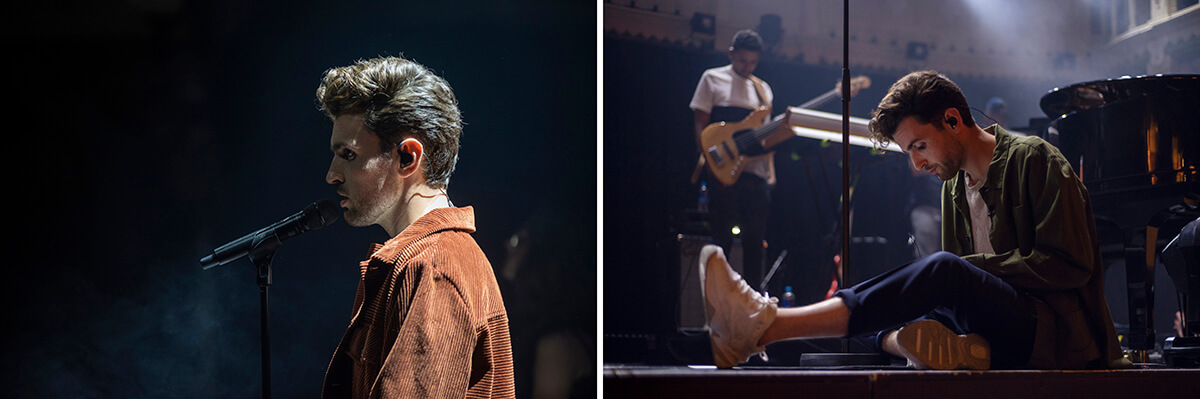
(931, 148)
(367, 178)
(370, 199)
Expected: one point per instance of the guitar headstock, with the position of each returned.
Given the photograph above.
(856, 84)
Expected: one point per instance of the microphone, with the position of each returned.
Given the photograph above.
(316, 215)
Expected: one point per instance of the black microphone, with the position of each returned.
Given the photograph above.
(316, 215)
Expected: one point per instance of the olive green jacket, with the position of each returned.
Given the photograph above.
(1046, 245)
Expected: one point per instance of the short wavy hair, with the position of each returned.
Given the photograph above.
(923, 95)
(399, 99)
(748, 40)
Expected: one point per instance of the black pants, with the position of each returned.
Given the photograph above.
(946, 288)
(745, 204)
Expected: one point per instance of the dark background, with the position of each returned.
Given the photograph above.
(145, 134)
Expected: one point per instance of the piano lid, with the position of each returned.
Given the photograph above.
(1129, 135)
(1065, 100)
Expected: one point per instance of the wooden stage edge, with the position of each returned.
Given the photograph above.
(633, 381)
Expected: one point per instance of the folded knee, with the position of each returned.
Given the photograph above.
(944, 257)
(946, 265)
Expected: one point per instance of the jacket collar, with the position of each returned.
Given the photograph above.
(434, 221)
(1000, 156)
(996, 169)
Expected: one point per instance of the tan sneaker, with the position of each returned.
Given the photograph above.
(736, 315)
(930, 345)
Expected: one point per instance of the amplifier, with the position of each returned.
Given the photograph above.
(690, 305)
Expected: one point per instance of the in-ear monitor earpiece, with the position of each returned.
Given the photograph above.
(407, 157)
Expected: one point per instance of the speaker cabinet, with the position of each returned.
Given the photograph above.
(691, 305)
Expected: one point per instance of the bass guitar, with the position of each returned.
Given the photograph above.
(727, 147)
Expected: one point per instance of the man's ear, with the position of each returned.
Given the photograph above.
(951, 118)
(409, 153)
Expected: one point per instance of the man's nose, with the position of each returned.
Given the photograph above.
(918, 162)
(333, 176)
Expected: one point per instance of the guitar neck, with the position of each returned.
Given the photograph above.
(821, 99)
(771, 134)
(826, 126)
(768, 129)
(804, 121)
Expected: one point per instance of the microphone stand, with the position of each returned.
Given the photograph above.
(845, 149)
(845, 358)
(262, 252)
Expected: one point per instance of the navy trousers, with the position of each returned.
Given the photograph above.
(946, 288)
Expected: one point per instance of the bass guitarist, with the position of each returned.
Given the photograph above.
(731, 93)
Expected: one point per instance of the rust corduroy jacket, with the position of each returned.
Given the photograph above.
(428, 320)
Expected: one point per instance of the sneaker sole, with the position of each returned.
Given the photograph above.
(930, 345)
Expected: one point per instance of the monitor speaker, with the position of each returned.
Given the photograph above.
(691, 306)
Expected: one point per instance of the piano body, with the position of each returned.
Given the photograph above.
(1135, 143)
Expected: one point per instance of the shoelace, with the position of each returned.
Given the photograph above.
(756, 300)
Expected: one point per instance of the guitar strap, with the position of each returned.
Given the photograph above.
(762, 92)
(762, 99)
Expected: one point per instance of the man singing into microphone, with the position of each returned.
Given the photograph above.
(428, 318)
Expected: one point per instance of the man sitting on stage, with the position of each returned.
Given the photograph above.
(1021, 285)
(428, 317)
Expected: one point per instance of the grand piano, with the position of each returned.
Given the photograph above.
(1135, 143)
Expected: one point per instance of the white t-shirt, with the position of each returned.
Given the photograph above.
(722, 87)
(981, 222)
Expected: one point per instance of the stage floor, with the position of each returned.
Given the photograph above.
(705, 381)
